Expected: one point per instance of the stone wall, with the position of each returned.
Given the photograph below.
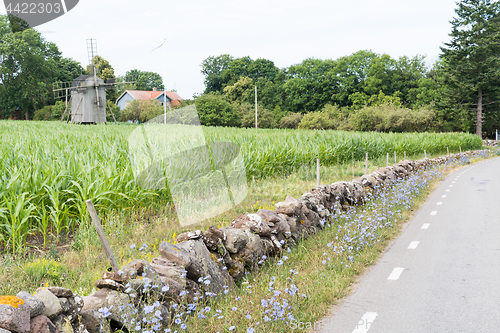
(203, 264)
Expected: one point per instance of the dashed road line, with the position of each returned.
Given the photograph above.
(413, 245)
(425, 226)
(396, 273)
(365, 323)
(434, 212)
(439, 203)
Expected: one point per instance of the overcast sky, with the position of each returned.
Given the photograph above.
(286, 32)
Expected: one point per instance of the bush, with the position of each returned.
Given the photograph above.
(291, 121)
(50, 112)
(141, 111)
(393, 118)
(265, 117)
(214, 110)
(317, 120)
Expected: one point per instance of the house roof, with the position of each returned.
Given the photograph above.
(144, 94)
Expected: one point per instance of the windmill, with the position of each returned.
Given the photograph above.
(87, 94)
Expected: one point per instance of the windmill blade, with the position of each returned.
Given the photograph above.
(61, 89)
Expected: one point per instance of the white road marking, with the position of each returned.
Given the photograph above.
(447, 191)
(413, 245)
(453, 182)
(451, 186)
(443, 196)
(366, 321)
(425, 225)
(396, 273)
(439, 203)
(434, 212)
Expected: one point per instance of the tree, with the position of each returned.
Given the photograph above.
(241, 91)
(27, 67)
(67, 70)
(105, 72)
(215, 110)
(472, 59)
(213, 68)
(143, 81)
(265, 117)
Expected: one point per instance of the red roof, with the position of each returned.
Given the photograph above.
(144, 94)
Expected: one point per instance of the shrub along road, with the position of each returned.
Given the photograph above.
(441, 274)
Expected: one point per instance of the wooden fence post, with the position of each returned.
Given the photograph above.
(102, 236)
(366, 164)
(317, 173)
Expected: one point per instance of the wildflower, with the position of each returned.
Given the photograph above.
(165, 289)
(234, 308)
(232, 328)
(132, 246)
(105, 312)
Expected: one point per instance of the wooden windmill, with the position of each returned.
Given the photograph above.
(87, 94)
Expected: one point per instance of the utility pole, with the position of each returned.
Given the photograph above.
(255, 106)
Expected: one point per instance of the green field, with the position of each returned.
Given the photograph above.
(49, 169)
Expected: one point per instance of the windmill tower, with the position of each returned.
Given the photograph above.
(87, 94)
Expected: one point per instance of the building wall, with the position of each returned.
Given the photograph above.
(122, 103)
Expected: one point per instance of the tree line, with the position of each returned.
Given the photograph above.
(370, 91)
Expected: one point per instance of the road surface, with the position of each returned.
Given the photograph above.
(442, 274)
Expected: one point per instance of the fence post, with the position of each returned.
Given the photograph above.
(425, 154)
(317, 172)
(366, 164)
(102, 236)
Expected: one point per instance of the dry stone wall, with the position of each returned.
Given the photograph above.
(203, 264)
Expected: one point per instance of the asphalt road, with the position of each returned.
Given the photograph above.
(442, 274)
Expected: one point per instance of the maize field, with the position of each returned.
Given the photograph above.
(48, 169)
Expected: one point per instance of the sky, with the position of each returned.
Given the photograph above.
(285, 32)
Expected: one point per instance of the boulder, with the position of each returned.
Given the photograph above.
(189, 235)
(110, 284)
(197, 249)
(167, 269)
(211, 238)
(236, 239)
(64, 304)
(181, 257)
(254, 222)
(76, 306)
(117, 303)
(14, 314)
(42, 324)
(255, 244)
(92, 321)
(60, 292)
(52, 305)
(115, 276)
(36, 306)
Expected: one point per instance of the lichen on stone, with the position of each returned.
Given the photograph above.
(13, 301)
